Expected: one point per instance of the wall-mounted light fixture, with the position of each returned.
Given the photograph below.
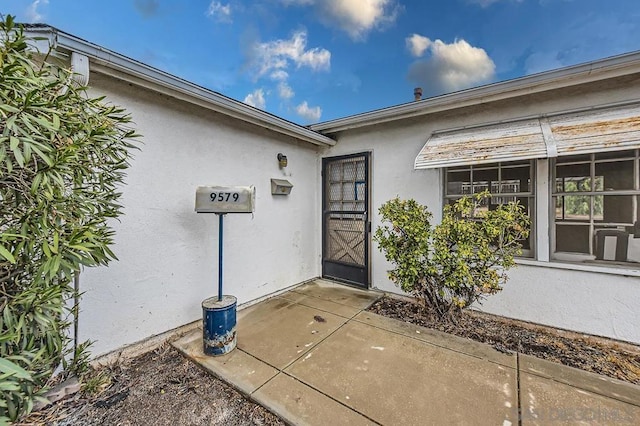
(282, 160)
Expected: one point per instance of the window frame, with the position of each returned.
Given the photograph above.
(594, 225)
(529, 253)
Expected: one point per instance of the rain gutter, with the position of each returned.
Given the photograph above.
(579, 74)
(116, 65)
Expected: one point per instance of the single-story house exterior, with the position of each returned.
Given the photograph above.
(565, 143)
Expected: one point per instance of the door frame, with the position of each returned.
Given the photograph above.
(366, 273)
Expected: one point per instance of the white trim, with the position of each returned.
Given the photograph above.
(549, 138)
(620, 270)
(119, 66)
(542, 205)
(565, 77)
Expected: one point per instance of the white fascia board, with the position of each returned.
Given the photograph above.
(174, 86)
(579, 74)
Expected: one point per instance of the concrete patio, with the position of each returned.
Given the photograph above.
(314, 356)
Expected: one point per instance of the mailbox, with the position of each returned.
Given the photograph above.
(225, 199)
(280, 187)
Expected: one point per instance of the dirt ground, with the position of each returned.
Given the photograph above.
(164, 388)
(614, 359)
(158, 388)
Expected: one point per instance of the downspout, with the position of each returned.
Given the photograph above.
(79, 76)
(79, 72)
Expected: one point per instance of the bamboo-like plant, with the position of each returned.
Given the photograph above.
(63, 157)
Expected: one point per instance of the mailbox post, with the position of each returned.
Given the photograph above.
(219, 313)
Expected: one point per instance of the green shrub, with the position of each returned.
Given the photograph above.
(62, 159)
(449, 266)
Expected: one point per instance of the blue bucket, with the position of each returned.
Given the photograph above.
(219, 325)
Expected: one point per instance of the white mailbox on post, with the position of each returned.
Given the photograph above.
(219, 316)
(225, 199)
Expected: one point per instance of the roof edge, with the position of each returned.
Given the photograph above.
(615, 66)
(168, 83)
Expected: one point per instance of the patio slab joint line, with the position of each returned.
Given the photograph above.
(331, 398)
(281, 370)
(584, 388)
(431, 343)
(518, 390)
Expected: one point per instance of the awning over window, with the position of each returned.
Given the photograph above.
(592, 131)
(503, 142)
(599, 130)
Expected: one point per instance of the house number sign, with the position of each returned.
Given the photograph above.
(225, 199)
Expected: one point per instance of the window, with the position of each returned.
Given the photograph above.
(596, 207)
(505, 181)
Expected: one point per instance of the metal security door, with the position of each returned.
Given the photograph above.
(345, 229)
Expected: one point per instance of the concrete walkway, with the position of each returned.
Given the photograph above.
(313, 356)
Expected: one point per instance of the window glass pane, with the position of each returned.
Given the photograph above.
(573, 158)
(611, 244)
(480, 186)
(614, 154)
(485, 175)
(617, 209)
(615, 175)
(484, 179)
(573, 207)
(572, 238)
(573, 178)
(516, 179)
(598, 207)
(459, 182)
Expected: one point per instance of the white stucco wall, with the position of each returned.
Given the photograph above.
(590, 302)
(167, 253)
(392, 175)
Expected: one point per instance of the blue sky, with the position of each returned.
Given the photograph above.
(316, 60)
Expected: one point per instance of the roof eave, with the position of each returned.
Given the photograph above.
(578, 74)
(172, 85)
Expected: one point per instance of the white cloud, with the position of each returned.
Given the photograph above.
(417, 44)
(285, 91)
(358, 17)
(355, 17)
(311, 114)
(256, 99)
(279, 75)
(33, 14)
(219, 12)
(487, 3)
(275, 57)
(451, 67)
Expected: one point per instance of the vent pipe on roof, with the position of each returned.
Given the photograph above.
(417, 93)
